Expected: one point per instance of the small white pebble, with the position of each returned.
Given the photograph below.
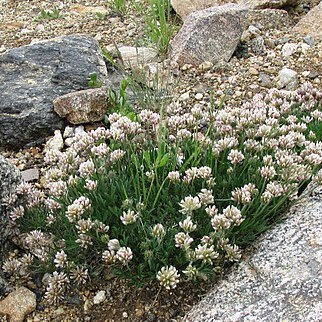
(198, 96)
(185, 96)
(99, 297)
(25, 31)
(40, 28)
(68, 132)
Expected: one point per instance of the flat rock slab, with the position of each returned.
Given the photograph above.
(89, 105)
(32, 76)
(264, 4)
(280, 281)
(311, 23)
(209, 35)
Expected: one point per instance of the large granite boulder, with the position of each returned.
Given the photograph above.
(210, 35)
(311, 24)
(32, 76)
(9, 179)
(280, 281)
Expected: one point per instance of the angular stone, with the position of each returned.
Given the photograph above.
(265, 4)
(209, 35)
(280, 281)
(30, 174)
(18, 304)
(135, 56)
(311, 24)
(287, 79)
(183, 8)
(289, 49)
(83, 106)
(32, 76)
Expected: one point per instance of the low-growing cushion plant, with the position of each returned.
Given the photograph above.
(169, 196)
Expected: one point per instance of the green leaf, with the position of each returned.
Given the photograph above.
(164, 161)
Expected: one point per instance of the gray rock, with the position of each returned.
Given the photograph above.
(265, 80)
(280, 281)
(32, 76)
(264, 4)
(287, 79)
(257, 46)
(30, 174)
(289, 49)
(309, 40)
(209, 35)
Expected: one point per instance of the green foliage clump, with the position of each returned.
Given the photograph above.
(94, 81)
(170, 196)
(47, 14)
(159, 28)
(118, 7)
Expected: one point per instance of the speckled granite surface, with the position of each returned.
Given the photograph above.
(280, 281)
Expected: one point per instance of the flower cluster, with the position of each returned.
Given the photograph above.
(170, 191)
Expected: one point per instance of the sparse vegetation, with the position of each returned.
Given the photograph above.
(47, 14)
(118, 6)
(159, 29)
(93, 81)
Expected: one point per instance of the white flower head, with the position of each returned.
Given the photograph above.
(108, 256)
(235, 156)
(158, 231)
(168, 277)
(113, 244)
(206, 197)
(189, 204)
(183, 240)
(206, 253)
(191, 272)
(234, 215)
(124, 255)
(187, 225)
(129, 217)
(174, 176)
(86, 169)
(90, 184)
(60, 260)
